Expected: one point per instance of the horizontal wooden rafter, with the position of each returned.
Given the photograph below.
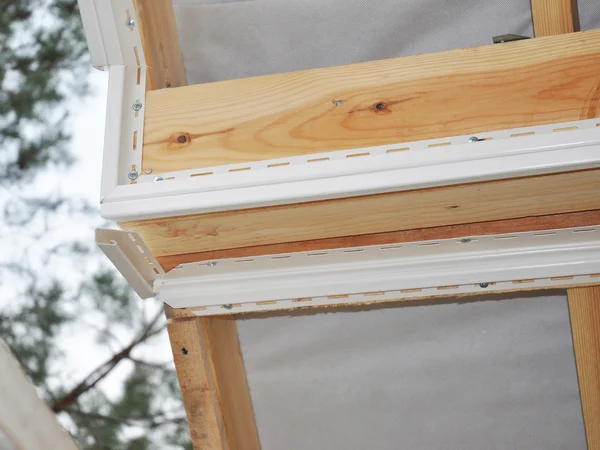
(557, 221)
(517, 84)
(424, 208)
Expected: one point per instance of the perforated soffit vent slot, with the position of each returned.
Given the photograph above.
(475, 264)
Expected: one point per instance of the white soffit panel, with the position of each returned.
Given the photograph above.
(518, 261)
(387, 168)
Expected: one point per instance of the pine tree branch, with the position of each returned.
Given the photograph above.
(158, 366)
(152, 421)
(98, 374)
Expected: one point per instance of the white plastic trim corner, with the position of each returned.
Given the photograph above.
(474, 264)
(132, 258)
(114, 41)
(389, 168)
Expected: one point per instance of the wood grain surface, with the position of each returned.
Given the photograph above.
(556, 221)
(212, 378)
(551, 17)
(160, 40)
(472, 90)
(451, 205)
(584, 308)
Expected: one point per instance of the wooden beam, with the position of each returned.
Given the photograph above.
(557, 221)
(551, 17)
(584, 308)
(213, 382)
(469, 203)
(466, 91)
(161, 43)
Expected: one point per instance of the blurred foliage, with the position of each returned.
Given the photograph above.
(43, 65)
(42, 59)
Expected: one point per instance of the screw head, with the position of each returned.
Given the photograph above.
(158, 179)
(227, 306)
(132, 175)
(137, 106)
(339, 102)
(148, 171)
(130, 23)
(484, 285)
(211, 263)
(465, 240)
(473, 139)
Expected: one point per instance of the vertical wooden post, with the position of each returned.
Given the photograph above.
(161, 44)
(554, 17)
(584, 308)
(213, 382)
(557, 17)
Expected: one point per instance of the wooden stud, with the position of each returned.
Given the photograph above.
(584, 308)
(557, 221)
(213, 382)
(552, 17)
(469, 203)
(466, 91)
(161, 43)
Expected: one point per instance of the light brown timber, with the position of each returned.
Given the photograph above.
(556, 221)
(213, 382)
(160, 40)
(450, 205)
(584, 308)
(466, 91)
(551, 17)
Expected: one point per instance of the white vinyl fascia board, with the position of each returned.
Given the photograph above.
(425, 164)
(387, 272)
(114, 41)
